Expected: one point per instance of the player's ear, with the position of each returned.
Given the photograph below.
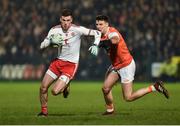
(60, 19)
(107, 24)
(71, 19)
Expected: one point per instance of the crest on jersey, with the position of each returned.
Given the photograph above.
(72, 34)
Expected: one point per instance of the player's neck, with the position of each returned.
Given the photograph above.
(106, 31)
(65, 29)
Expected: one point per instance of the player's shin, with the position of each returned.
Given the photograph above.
(43, 100)
(109, 100)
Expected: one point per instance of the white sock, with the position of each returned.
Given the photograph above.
(153, 88)
(110, 108)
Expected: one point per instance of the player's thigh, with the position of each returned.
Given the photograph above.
(59, 86)
(127, 73)
(61, 83)
(109, 70)
(127, 89)
(110, 80)
(47, 81)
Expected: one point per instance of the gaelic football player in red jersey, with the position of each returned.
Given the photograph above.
(62, 69)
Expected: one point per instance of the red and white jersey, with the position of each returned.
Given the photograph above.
(70, 51)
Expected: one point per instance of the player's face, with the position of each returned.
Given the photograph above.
(102, 26)
(66, 22)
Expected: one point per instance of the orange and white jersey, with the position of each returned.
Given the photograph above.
(118, 53)
(70, 51)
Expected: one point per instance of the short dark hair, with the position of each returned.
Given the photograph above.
(66, 12)
(102, 18)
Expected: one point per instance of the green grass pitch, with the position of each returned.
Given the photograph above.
(19, 104)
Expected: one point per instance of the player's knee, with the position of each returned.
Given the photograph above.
(43, 89)
(106, 90)
(55, 92)
(128, 98)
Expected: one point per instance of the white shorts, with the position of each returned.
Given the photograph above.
(127, 73)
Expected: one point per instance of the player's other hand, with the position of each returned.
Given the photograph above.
(94, 50)
(45, 43)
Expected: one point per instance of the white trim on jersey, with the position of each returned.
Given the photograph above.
(76, 66)
(97, 36)
(50, 73)
(113, 34)
(64, 78)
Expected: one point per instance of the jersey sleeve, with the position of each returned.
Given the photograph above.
(113, 34)
(83, 31)
(46, 42)
(50, 33)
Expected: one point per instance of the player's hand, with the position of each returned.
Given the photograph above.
(45, 43)
(94, 50)
(56, 40)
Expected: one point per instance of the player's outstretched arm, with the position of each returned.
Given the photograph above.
(45, 43)
(97, 37)
(94, 48)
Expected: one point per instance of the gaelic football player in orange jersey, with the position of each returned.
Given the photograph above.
(123, 66)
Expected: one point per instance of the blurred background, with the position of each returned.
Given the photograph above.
(151, 29)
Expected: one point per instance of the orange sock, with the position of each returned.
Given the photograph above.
(151, 88)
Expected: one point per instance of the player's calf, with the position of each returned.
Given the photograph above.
(66, 91)
(106, 90)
